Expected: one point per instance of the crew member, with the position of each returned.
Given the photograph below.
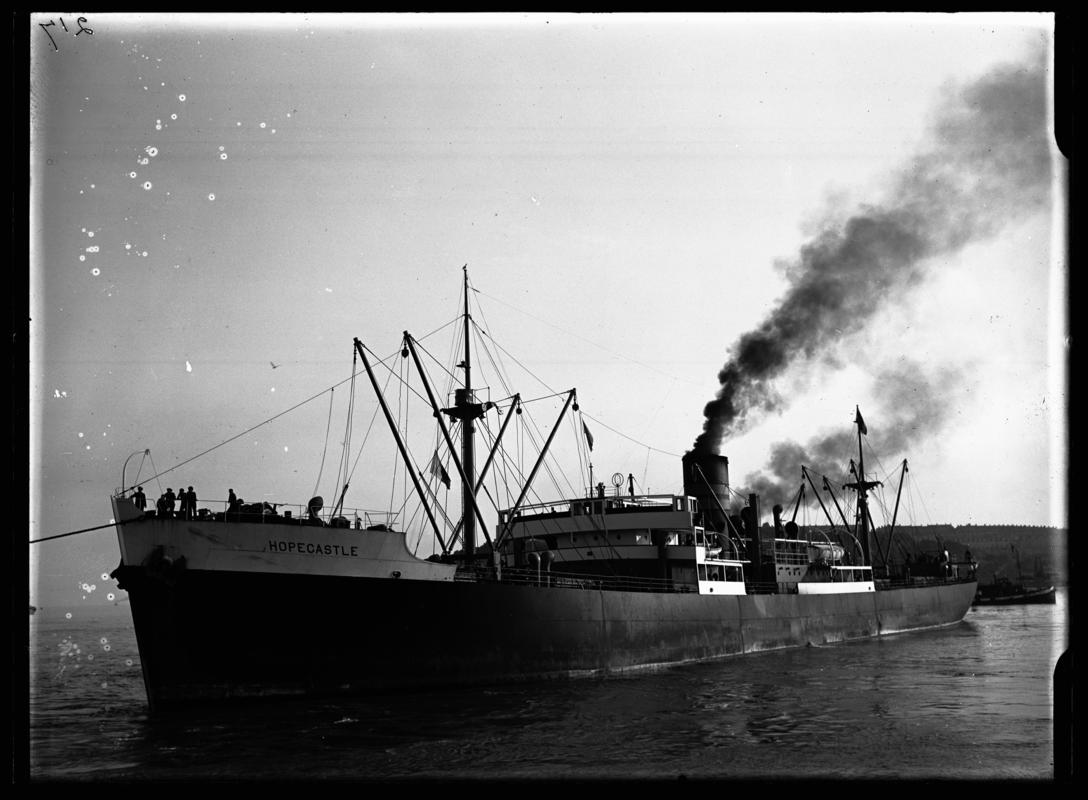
(139, 498)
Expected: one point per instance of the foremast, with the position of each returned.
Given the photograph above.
(467, 411)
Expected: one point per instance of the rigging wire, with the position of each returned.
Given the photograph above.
(362, 444)
(590, 341)
(515, 360)
(504, 381)
(499, 369)
(151, 458)
(325, 449)
(427, 353)
(72, 533)
(530, 426)
(345, 451)
(399, 378)
(554, 392)
(636, 441)
(239, 435)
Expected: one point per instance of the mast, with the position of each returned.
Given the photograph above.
(467, 411)
(410, 344)
(862, 487)
(863, 502)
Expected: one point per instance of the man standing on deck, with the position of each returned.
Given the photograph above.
(190, 503)
(171, 499)
(140, 499)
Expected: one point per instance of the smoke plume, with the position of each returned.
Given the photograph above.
(988, 163)
(913, 406)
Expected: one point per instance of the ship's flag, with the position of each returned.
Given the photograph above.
(860, 422)
(589, 436)
(437, 469)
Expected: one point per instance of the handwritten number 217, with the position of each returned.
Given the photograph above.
(51, 23)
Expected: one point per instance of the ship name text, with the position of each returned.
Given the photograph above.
(312, 548)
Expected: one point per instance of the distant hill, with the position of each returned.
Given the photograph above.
(1042, 550)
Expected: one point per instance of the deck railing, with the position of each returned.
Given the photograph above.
(575, 580)
(282, 513)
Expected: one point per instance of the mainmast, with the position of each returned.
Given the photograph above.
(862, 487)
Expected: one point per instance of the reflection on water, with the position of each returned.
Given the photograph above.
(969, 701)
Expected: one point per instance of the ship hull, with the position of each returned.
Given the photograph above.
(207, 635)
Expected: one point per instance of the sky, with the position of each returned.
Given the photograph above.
(219, 204)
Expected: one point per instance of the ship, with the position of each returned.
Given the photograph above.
(266, 600)
(1002, 591)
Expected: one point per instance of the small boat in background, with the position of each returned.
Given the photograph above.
(1004, 592)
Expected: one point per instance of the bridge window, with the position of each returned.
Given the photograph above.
(702, 572)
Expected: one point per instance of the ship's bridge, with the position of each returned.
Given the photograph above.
(641, 535)
(665, 511)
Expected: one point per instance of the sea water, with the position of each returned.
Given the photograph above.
(972, 701)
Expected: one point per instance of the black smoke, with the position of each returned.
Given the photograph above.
(913, 406)
(988, 163)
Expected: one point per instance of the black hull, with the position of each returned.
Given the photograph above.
(209, 636)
